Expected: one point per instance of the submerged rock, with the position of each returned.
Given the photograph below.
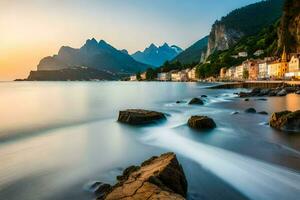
(263, 113)
(201, 122)
(286, 121)
(139, 116)
(235, 113)
(297, 92)
(203, 96)
(246, 99)
(250, 110)
(196, 101)
(157, 178)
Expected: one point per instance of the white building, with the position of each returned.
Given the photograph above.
(164, 76)
(175, 76)
(239, 70)
(258, 52)
(243, 54)
(133, 78)
(294, 67)
(230, 73)
(263, 70)
(192, 74)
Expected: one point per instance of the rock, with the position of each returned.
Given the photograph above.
(282, 92)
(264, 92)
(273, 93)
(196, 101)
(297, 92)
(243, 94)
(99, 189)
(286, 121)
(201, 122)
(203, 96)
(235, 113)
(246, 99)
(138, 116)
(157, 178)
(263, 113)
(290, 89)
(250, 110)
(262, 99)
(255, 91)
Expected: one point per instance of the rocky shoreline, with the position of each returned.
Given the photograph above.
(156, 178)
(271, 92)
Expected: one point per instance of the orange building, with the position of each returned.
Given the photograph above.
(283, 64)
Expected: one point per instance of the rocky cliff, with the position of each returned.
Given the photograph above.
(289, 31)
(245, 21)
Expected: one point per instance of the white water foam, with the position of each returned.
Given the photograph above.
(253, 178)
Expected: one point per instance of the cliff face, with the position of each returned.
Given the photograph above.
(289, 31)
(245, 21)
(221, 38)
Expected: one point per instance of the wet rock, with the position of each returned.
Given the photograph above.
(264, 92)
(263, 113)
(196, 101)
(262, 99)
(235, 113)
(297, 92)
(282, 92)
(99, 189)
(157, 178)
(139, 116)
(246, 99)
(286, 121)
(250, 110)
(273, 93)
(203, 96)
(255, 91)
(243, 94)
(201, 122)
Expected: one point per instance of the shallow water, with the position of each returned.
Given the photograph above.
(56, 137)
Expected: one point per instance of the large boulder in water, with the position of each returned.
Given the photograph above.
(157, 178)
(201, 122)
(286, 121)
(139, 116)
(196, 101)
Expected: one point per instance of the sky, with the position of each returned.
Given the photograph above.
(33, 29)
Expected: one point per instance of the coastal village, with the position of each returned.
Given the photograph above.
(287, 67)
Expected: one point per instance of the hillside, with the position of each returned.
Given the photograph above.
(98, 55)
(156, 56)
(245, 21)
(193, 53)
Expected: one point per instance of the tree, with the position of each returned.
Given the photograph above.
(151, 74)
(138, 76)
(245, 74)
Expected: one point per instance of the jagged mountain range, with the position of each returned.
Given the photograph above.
(97, 55)
(156, 56)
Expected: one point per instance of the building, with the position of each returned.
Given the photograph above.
(143, 76)
(294, 67)
(243, 54)
(252, 67)
(164, 76)
(283, 65)
(183, 75)
(230, 73)
(133, 78)
(175, 76)
(223, 73)
(273, 69)
(258, 52)
(192, 74)
(239, 71)
(263, 70)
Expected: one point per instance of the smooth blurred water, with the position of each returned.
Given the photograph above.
(55, 137)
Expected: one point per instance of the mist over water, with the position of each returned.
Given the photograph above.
(56, 137)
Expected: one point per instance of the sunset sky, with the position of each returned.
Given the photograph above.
(33, 29)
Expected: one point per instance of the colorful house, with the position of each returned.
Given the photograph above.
(164, 76)
(283, 65)
(294, 67)
(192, 74)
